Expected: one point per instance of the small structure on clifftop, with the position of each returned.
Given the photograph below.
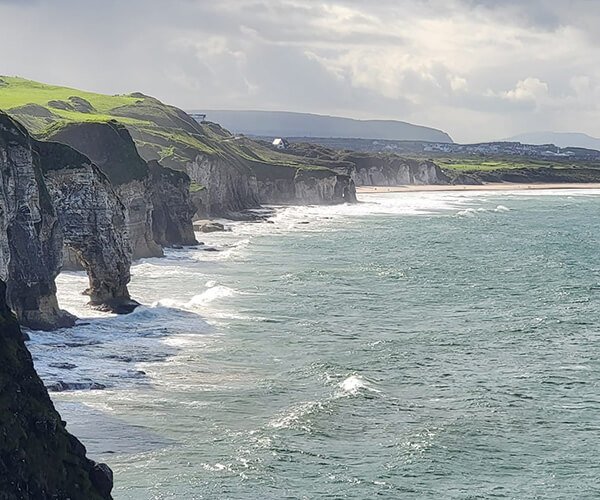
(280, 143)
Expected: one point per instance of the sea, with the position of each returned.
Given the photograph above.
(433, 345)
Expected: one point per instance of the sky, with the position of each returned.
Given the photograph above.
(477, 69)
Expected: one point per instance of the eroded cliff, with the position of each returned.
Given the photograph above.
(157, 199)
(173, 208)
(292, 185)
(110, 147)
(393, 170)
(30, 235)
(372, 169)
(93, 223)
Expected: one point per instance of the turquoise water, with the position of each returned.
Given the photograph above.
(439, 345)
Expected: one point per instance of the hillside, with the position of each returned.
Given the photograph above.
(560, 139)
(161, 132)
(287, 124)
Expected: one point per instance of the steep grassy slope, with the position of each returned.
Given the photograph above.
(161, 132)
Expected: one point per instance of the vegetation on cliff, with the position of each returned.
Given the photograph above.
(160, 131)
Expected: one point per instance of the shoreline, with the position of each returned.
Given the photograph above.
(500, 186)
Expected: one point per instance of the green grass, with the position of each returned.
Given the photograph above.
(19, 91)
(155, 126)
(481, 164)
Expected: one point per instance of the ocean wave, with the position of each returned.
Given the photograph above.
(113, 351)
(353, 385)
(298, 416)
(213, 293)
(294, 417)
(472, 212)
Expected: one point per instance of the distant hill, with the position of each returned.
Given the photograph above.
(287, 124)
(560, 139)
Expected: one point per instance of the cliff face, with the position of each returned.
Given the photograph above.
(30, 235)
(111, 148)
(158, 208)
(173, 209)
(235, 183)
(324, 188)
(92, 219)
(228, 187)
(38, 457)
(372, 169)
(283, 185)
(137, 198)
(392, 170)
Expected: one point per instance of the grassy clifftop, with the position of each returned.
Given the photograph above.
(160, 131)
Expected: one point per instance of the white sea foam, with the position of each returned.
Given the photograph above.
(199, 301)
(354, 384)
(473, 212)
(467, 212)
(298, 416)
(294, 417)
(210, 295)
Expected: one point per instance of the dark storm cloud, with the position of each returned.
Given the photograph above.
(477, 68)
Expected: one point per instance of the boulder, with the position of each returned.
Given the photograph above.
(208, 226)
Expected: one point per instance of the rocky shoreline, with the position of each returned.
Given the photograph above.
(98, 195)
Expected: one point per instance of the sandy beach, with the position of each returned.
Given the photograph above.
(501, 186)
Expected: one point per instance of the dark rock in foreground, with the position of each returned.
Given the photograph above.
(39, 459)
(117, 306)
(62, 386)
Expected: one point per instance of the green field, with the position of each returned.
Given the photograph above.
(486, 164)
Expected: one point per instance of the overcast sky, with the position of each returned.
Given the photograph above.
(478, 69)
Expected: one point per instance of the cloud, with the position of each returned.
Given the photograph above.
(530, 89)
(477, 68)
(458, 83)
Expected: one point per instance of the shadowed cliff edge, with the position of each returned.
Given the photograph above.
(39, 459)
